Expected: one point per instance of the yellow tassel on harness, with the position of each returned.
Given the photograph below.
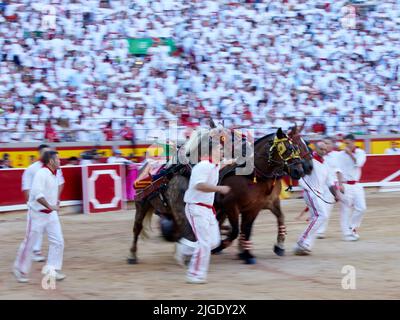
(255, 179)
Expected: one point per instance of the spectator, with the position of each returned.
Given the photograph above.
(117, 158)
(50, 133)
(108, 131)
(394, 149)
(127, 132)
(32, 159)
(6, 162)
(72, 161)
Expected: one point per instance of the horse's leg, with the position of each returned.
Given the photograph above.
(221, 217)
(233, 216)
(245, 242)
(279, 247)
(141, 209)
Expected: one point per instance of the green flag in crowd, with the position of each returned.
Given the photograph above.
(139, 46)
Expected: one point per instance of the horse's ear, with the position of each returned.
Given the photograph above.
(302, 126)
(280, 134)
(212, 124)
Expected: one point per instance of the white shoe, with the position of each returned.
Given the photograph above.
(300, 250)
(37, 257)
(57, 274)
(194, 280)
(321, 236)
(350, 237)
(355, 234)
(179, 256)
(60, 276)
(21, 277)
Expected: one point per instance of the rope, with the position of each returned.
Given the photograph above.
(317, 194)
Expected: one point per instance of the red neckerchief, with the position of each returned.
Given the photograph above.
(53, 172)
(317, 157)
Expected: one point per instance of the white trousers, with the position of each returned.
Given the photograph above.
(37, 246)
(38, 223)
(353, 207)
(318, 215)
(327, 196)
(206, 229)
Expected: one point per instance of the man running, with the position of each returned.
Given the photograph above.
(200, 213)
(313, 186)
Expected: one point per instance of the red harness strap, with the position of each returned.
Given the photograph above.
(207, 206)
(351, 182)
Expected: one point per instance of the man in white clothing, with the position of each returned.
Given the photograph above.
(313, 185)
(43, 206)
(353, 205)
(116, 158)
(199, 199)
(27, 180)
(394, 149)
(330, 159)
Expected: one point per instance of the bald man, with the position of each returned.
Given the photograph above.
(331, 160)
(313, 185)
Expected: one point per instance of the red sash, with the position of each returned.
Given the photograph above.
(207, 206)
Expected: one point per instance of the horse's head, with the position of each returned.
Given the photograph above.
(283, 151)
(304, 150)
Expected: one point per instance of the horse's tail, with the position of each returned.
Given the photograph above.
(145, 234)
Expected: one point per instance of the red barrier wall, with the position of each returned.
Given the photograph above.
(10, 187)
(73, 183)
(377, 168)
(11, 192)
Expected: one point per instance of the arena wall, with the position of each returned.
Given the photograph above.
(21, 153)
(379, 171)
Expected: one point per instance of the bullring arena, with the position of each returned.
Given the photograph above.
(96, 247)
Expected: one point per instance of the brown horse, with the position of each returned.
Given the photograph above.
(168, 202)
(271, 201)
(250, 194)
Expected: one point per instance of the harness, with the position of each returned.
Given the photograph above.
(328, 202)
(280, 147)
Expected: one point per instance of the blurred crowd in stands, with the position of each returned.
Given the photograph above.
(69, 73)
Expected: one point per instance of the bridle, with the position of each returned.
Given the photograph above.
(306, 153)
(280, 146)
(285, 154)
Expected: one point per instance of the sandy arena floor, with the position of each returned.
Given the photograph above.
(97, 246)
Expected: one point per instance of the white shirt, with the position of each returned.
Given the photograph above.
(351, 170)
(319, 179)
(392, 151)
(113, 159)
(331, 161)
(30, 172)
(44, 185)
(203, 172)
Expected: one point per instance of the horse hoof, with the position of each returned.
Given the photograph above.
(131, 261)
(242, 256)
(216, 251)
(251, 260)
(279, 251)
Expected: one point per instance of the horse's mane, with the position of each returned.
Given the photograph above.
(266, 137)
